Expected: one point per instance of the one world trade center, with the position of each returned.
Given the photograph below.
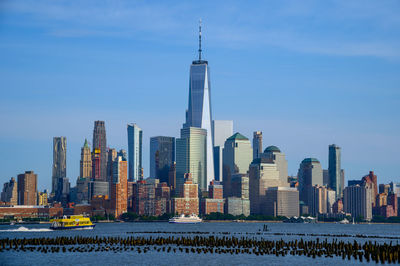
(199, 112)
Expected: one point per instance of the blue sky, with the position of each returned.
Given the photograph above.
(306, 73)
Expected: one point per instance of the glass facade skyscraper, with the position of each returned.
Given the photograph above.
(191, 156)
(162, 155)
(59, 161)
(334, 169)
(199, 112)
(135, 136)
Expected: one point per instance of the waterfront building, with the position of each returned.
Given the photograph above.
(215, 200)
(27, 188)
(310, 174)
(135, 139)
(335, 175)
(99, 159)
(86, 161)
(59, 160)
(119, 187)
(187, 201)
(263, 173)
(162, 156)
(257, 144)
(395, 188)
(237, 159)
(357, 200)
(281, 201)
(10, 192)
(221, 130)
(274, 153)
(318, 200)
(147, 198)
(42, 199)
(237, 206)
(191, 156)
(237, 202)
(199, 113)
(24, 211)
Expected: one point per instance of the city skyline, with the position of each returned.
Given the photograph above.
(360, 134)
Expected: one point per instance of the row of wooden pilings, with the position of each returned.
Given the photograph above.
(367, 251)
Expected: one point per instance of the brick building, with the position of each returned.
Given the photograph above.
(187, 201)
(215, 201)
(27, 188)
(24, 211)
(119, 187)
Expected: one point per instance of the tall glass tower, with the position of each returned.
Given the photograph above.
(135, 137)
(334, 168)
(199, 112)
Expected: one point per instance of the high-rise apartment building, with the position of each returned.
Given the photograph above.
(162, 156)
(10, 192)
(221, 130)
(27, 188)
(99, 160)
(199, 112)
(119, 187)
(310, 174)
(318, 200)
(357, 200)
(135, 139)
(334, 169)
(86, 161)
(191, 156)
(372, 180)
(281, 201)
(215, 200)
(187, 201)
(59, 160)
(257, 144)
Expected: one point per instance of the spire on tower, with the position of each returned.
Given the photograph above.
(200, 40)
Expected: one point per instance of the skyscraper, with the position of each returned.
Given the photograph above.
(86, 161)
(221, 130)
(191, 156)
(99, 151)
(237, 156)
(199, 113)
(59, 161)
(274, 153)
(309, 175)
(335, 180)
(10, 192)
(162, 156)
(119, 186)
(257, 144)
(135, 136)
(27, 188)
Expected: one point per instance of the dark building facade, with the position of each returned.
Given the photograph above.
(162, 156)
(99, 160)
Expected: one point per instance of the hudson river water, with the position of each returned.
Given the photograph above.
(381, 233)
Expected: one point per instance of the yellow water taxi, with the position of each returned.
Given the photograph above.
(71, 222)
